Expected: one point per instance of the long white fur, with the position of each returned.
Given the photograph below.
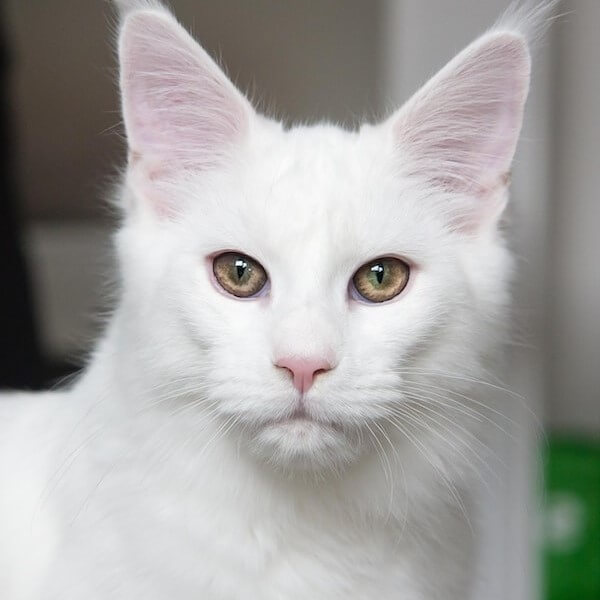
(168, 469)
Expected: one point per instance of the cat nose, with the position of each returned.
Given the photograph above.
(304, 370)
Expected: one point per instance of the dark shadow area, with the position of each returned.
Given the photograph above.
(20, 358)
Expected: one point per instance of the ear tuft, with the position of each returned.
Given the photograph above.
(528, 18)
(124, 7)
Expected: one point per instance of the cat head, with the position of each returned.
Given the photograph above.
(300, 286)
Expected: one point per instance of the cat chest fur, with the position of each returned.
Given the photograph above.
(208, 541)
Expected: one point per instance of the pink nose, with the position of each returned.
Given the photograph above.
(304, 370)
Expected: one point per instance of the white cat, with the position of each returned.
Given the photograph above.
(283, 405)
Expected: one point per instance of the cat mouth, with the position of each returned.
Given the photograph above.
(301, 417)
(305, 439)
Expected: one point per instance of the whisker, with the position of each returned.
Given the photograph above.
(449, 485)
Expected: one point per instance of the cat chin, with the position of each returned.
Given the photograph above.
(304, 446)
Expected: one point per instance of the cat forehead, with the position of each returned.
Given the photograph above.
(309, 171)
(316, 188)
(311, 154)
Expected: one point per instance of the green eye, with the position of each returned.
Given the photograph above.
(381, 279)
(239, 274)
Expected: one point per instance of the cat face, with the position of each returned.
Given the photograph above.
(301, 282)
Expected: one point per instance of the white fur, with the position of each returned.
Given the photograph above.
(166, 471)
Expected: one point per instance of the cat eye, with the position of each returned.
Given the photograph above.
(381, 279)
(239, 275)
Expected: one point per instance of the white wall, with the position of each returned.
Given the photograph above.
(574, 262)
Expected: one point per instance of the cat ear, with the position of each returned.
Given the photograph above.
(181, 112)
(460, 130)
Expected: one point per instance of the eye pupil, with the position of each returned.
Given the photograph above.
(378, 269)
(240, 266)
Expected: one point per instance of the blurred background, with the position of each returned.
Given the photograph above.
(61, 144)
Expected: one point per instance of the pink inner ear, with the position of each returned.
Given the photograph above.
(180, 110)
(461, 129)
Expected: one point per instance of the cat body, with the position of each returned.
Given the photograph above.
(202, 453)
